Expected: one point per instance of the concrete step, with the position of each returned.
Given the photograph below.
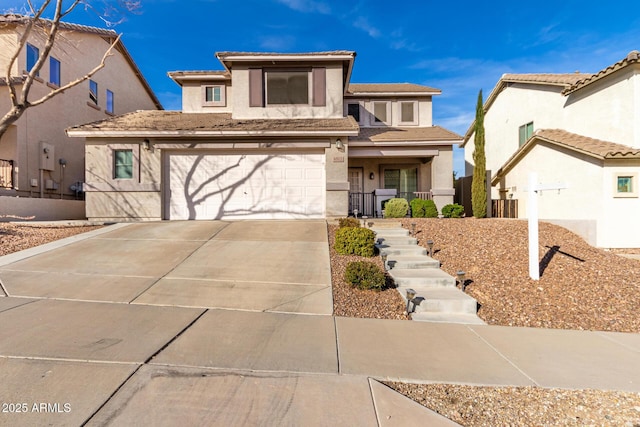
(407, 250)
(390, 232)
(445, 300)
(421, 277)
(397, 240)
(412, 262)
(467, 319)
(384, 223)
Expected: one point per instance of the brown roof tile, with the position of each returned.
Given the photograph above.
(175, 122)
(596, 147)
(325, 53)
(555, 79)
(355, 88)
(397, 134)
(12, 18)
(632, 58)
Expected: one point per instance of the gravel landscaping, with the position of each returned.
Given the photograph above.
(16, 237)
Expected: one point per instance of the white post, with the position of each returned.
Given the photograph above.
(532, 213)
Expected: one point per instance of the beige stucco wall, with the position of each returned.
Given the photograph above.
(33, 209)
(240, 98)
(78, 53)
(424, 112)
(192, 98)
(587, 206)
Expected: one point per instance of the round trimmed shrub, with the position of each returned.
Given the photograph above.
(364, 275)
(396, 208)
(453, 211)
(355, 241)
(423, 209)
(348, 222)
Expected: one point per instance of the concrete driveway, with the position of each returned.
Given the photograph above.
(278, 266)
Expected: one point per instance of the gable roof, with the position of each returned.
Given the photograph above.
(153, 123)
(386, 89)
(632, 58)
(111, 35)
(383, 135)
(592, 147)
(564, 80)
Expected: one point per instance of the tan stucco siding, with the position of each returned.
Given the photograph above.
(193, 98)
(620, 225)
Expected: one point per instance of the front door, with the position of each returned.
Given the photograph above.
(356, 191)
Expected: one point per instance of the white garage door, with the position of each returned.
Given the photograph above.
(250, 185)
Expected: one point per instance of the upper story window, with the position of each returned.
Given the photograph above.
(626, 184)
(33, 53)
(287, 87)
(93, 92)
(110, 107)
(524, 133)
(54, 71)
(381, 113)
(123, 164)
(213, 95)
(408, 113)
(354, 110)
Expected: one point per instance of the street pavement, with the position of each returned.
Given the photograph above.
(229, 323)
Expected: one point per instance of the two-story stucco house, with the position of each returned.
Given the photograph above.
(581, 134)
(38, 158)
(273, 135)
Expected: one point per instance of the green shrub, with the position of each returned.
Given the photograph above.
(452, 211)
(423, 209)
(365, 275)
(355, 241)
(348, 222)
(396, 208)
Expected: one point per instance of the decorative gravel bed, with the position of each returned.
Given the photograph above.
(17, 237)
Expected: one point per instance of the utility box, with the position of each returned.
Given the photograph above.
(382, 194)
(47, 157)
(50, 184)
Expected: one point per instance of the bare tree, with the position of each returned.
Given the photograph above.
(34, 20)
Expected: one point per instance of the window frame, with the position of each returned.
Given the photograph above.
(93, 94)
(110, 102)
(57, 73)
(116, 164)
(31, 61)
(414, 113)
(223, 98)
(400, 168)
(523, 130)
(306, 71)
(374, 118)
(633, 179)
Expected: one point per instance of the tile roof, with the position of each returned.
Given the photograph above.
(12, 18)
(595, 147)
(547, 78)
(398, 134)
(355, 88)
(176, 123)
(632, 58)
(324, 53)
(15, 80)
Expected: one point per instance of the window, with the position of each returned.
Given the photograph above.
(93, 92)
(123, 164)
(354, 110)
(626, 185)
(524, 133)
(54, 71)
(381, 112)
(287, 87)
(405, 180)
(407, 112)
(213, 95)
(32, 56)
(109, 102)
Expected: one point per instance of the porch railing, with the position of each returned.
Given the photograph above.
(365, 203)
(6, 174)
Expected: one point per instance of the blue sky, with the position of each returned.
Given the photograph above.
(459, 47)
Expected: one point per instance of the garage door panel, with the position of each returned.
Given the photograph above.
(247, 185)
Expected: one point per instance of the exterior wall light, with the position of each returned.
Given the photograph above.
(430, 247)
(461, 280)
(371, 176)
(339, 144)
(411, 294)
(146, 144)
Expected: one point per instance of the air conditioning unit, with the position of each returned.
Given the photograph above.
(50, 184)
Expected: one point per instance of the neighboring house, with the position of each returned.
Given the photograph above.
(38, 158)
(580, 132)
(274, 135)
